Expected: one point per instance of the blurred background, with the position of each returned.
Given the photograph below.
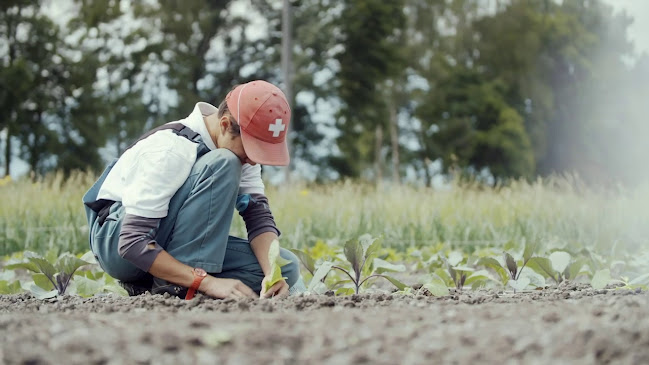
(399, 91)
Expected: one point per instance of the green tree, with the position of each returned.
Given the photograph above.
(368, 31)
(561, 62)
(38, 90)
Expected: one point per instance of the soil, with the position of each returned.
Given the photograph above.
(565, 324)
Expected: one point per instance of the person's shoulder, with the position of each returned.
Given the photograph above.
(166, 142)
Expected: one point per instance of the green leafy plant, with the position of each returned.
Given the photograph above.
(640, 282)
(361, 254)
(317, 269)
(276, 263)
(558, 266)
(8, 283)
(601, 279)
(436, 286)
(51, 277)
(88, 283)
(460, 272)
(511, 273)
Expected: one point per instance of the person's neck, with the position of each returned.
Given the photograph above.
(212, 125)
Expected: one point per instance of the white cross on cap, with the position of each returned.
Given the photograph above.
(277, 127)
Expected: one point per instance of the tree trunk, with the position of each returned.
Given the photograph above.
(286, 63)
(8, 152)
(394, 139)
(34, 148)
(428, 180)
(378, 163)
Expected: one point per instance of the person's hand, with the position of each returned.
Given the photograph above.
(225, 288)
(279, 290)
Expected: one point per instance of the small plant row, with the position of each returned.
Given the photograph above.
(360, 263)
(362, 260)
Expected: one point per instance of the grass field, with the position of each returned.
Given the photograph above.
(557, 213)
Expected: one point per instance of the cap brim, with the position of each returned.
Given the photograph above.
(264, 153)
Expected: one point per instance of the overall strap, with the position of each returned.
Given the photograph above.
(178, 128)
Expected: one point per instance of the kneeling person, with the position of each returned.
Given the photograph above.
(159, 216)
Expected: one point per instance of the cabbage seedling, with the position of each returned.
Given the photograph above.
(511, 272)
(361, 251)
(558, 266)
(58, 274)
(276, 263)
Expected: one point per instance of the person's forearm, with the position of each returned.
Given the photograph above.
(168, 268)
(260, 246)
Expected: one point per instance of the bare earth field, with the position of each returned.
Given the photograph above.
(566, 324)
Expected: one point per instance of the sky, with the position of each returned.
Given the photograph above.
(639, 30)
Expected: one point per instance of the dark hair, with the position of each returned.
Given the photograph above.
(235, 129)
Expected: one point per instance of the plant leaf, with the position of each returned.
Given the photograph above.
(28, 254)
(480, 275)
(493, 264)
(381, 266)
(42, 281)
(282, 261)
(454, 258)
(395, 282)
(115, 288)
(452, 274)
(318, 288)
(559, 260)
(529, 251)
(372, 249)
(275, 265)
(574, 268)
(520, 284)
(345, 291)
(38, 292)
(511, 265)
(68, 264)
(437, 287)
(542, 266)
(89, 257)
(463, 268)
(51, 255)
(642, 279)
(305, 259)
(87, 287)
(10, 288)
(601, 279)
(44, 266)
(537, 280)
(319, 274)
(445, 277)
(7, 275)
(477, 281)
(354, 255)
(24, 265)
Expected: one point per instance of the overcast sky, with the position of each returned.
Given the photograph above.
(639, 30)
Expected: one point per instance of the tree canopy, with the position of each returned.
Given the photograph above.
(510, 89)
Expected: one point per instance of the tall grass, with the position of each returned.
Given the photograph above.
(557, 213)
(39, 215)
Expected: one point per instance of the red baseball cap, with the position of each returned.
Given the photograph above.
(263, 113)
